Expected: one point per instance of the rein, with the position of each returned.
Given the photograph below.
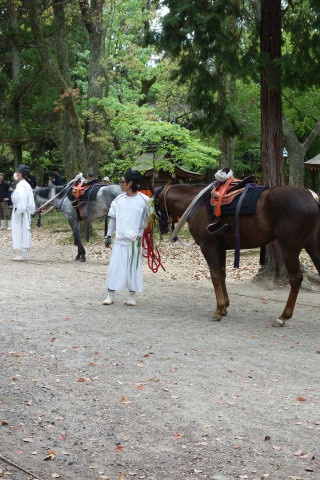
(190, 210)
(59, 193)
(165, 200)
(65, 189)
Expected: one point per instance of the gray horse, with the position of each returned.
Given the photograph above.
(94, 208)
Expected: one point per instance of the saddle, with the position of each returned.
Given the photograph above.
(80, 188)
(225, 193)
(82, 192)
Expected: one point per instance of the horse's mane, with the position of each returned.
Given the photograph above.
(44, 192)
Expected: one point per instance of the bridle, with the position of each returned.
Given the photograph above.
(163, 215)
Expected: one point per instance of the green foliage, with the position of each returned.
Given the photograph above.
(140, 131)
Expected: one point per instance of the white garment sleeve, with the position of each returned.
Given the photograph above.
(19, 199)
(145, 217)
(111, 226)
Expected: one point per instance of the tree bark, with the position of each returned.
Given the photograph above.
(93, 20)
(73, 151)
(16, 97)
(271, 114)
(271, 106)
(297, 151)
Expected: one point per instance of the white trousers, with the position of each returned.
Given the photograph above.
(125, 268)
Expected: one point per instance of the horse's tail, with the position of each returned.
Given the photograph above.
(315, 196)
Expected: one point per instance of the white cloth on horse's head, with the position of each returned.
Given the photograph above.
(223, 175)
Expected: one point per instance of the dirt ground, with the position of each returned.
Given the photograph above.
(158, 391)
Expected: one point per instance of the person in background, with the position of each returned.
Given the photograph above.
(5, 189)
(129, 212)
(23, 207)
(92, 178)
(106, 181)
(56, 178)
(31, 179)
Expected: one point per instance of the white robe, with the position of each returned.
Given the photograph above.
(128, 218)
(23, 207)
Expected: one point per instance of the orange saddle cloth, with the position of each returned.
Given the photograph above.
(224, 193)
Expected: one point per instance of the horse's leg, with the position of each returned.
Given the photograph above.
(291, 261)
(216, 260)
(313, 250)
(223, 259)
(74, 224)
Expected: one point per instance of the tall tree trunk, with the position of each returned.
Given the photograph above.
(271, 114)
(226, 145)
(74, 159)
(297, 151)
(271, 106)
(69, 138)
(16, 98)
(94, 23)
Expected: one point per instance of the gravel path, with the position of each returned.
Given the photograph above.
(158, 391)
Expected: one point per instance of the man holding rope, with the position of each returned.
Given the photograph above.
(129, 213)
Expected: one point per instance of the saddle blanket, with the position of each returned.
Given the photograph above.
(89, 195)
(248, 206)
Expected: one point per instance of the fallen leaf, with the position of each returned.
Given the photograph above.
(63, 437)
(302, 399)
(118, 448)
(298, 453)
(19, 452)
(55, 475)
(140, 386)
(16, 354)
(91, 364)
(275, 447)
(49, 457)
(4, 422)
(81, 379)
(124, 400)
(53, 339)
(34, 453)
(177, 436)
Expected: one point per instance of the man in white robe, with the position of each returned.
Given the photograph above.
(23, 207)
(128, 214)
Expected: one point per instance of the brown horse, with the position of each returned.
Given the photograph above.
(287, 214)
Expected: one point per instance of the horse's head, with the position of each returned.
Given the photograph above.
(161, 209)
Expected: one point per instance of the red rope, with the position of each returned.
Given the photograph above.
(152, 254)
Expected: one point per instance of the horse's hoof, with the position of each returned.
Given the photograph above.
(216, 317)
(77, 258)
(278, 323)
(82, 259)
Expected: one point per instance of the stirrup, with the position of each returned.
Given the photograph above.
(213, 229)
